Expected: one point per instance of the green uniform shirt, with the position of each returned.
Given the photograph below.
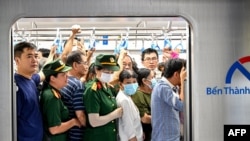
(54, 113)
(102, 101)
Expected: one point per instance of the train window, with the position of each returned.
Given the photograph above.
(170, 36)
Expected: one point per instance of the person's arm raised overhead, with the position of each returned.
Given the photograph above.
(69, 44)
(90, 54)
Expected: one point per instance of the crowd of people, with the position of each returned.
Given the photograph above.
(67, 97)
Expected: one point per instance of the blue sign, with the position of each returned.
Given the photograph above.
(105, 40)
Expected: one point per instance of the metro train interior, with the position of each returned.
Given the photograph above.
(132, 33)
(108, 34)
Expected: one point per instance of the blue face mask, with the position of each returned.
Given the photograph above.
(130, 89)
(153, 82)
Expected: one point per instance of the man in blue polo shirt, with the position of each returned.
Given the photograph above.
(29, 119)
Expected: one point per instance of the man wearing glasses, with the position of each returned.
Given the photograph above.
(150, 59)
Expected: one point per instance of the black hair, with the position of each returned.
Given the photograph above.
(134, 66)
(47, 78)
(98, 67)
(142, 73)
(46, 81)
(74, 56)
(19, 47)
(148, 51)
(160, 65)
(126, 74)
(173, 65)
(45, 52)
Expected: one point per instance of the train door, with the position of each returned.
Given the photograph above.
(111, 34)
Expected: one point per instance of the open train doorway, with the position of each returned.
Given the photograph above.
(170, 36)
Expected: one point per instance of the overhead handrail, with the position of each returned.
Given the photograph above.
(154, 45)
(167, 43)
(142, 48)
(104, 29)
(179, 47)
(92, 40)
(171, 35)
(58, 42)
(123, 43)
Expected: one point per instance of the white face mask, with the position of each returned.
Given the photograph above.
(106, 77)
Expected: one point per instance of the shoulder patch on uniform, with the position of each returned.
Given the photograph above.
(94, 86)
(56, 94)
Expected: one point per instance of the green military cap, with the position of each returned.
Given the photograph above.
(107, 62)
(55, 67)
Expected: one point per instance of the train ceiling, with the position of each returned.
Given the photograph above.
(46, 29)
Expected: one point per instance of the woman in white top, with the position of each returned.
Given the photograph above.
(130, 128)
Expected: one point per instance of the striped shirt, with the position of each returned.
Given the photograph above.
(72, 96)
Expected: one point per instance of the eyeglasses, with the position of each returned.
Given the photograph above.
(129, 65)
(151, 59)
